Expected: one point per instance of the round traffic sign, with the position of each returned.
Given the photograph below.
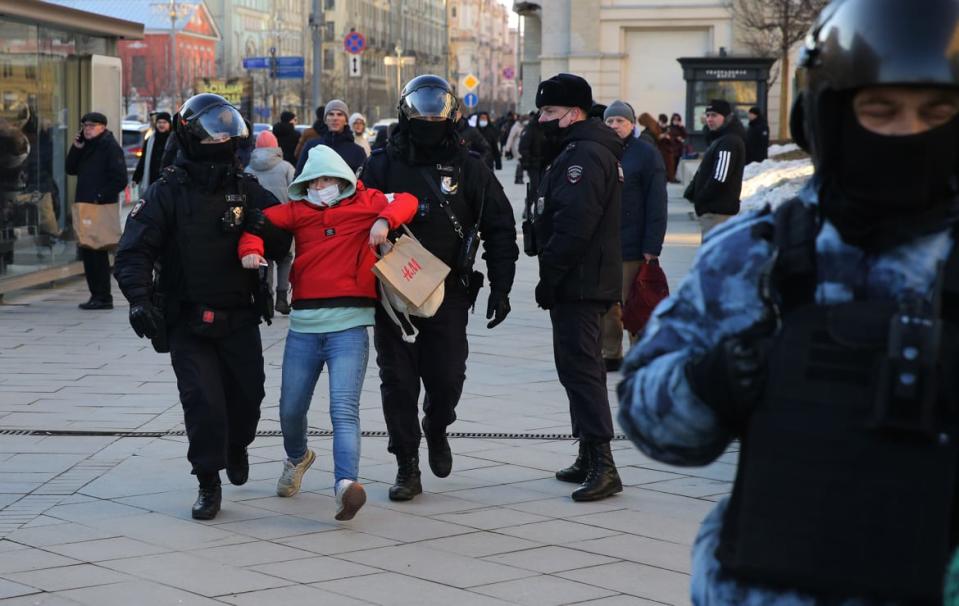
(354, 42)
(471, 100)
(509, 72)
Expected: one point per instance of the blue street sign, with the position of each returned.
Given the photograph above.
(290, 62)
(256, 63)
(289, 73)
(470, 100)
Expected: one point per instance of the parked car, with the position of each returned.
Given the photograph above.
(134, 135)
(385, 123)
(259, 127)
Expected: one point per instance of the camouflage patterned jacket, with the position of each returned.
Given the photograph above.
(720, 297)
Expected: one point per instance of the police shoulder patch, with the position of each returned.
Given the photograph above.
(137, 207)
(574, 173)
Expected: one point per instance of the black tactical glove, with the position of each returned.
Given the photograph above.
(145, 319)
(498, 308)
(545, 295)
(730, 379)
(254, 221)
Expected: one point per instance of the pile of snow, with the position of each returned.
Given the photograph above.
(772, 182)
(778, 150)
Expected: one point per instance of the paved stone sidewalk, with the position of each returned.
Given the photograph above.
(104, 519)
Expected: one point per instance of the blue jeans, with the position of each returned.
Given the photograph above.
(346, 352)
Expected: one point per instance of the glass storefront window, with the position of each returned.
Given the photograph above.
(40, 88)
(742, 94)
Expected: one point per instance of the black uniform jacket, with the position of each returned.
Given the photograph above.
(177, 222)
(578, 216)
(464, 180)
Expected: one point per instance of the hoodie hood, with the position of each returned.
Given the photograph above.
(265, 158)
(322, 161)
(355, 117)
(597, 132)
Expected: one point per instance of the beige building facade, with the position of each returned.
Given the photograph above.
(481, 43)
(626, 49)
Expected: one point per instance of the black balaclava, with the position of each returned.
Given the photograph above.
(428, 133)
(216, 153)
(429, 141)
(890, 189)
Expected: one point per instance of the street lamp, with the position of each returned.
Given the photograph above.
(399, 61)
(175, 10)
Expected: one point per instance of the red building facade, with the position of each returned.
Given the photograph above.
(147, 63)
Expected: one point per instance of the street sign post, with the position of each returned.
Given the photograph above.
(471, 100)
(256, 63)
(356, 66)
(355, 43)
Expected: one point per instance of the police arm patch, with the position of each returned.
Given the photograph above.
(137, 207)
(574, 173)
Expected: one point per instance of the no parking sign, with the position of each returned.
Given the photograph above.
(355, 43)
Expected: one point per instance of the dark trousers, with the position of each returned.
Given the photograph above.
(221, 388)
(577, 349)
(534, 177)
(96, 266)
(518, 176)
(438, 358)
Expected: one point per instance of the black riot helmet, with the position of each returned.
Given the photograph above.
(860, 43)
(428, 97)
(207, 124)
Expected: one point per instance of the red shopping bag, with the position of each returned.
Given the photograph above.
(649, 287)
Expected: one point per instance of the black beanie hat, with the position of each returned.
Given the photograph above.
(565, 90)
(719, 106)
(162, 116)
(95, 117)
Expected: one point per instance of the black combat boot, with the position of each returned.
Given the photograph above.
(207, 503)
(576, 473)
(237, 465)
(602, 480)
(407, 483)
(440, 455)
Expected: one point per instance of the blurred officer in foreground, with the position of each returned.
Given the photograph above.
(177, 265)
(575, 223)
(825, 337)
(459, 199)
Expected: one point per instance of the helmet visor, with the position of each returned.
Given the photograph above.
(428, 103)
(219, 124)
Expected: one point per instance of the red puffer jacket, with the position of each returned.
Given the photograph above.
(333, 255)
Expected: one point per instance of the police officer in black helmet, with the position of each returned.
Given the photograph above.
(457, 193)
(824, 336)
(178, 266)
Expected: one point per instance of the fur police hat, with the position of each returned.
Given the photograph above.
(565, 90)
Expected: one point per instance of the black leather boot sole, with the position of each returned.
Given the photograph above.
(96, 304)
(238, 467)
(440, 454)
(602, 480)
(207, 503)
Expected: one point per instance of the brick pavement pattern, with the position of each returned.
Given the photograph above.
(105, 519)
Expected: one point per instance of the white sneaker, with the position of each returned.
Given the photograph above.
(350, 496)
(289, 482)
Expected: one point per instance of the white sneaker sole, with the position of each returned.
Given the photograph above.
(353, 499)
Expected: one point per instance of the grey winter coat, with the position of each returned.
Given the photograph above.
(272, 171)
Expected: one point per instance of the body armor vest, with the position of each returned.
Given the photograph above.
(210, 269)
(848, 470)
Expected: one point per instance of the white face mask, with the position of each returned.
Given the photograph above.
(483, 123)
(323, 197)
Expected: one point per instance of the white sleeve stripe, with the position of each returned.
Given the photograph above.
(722, 166)
(719, 164)
(729, 157)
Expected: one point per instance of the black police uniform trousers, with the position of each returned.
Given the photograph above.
(578, 352)
(221, 388)
(438, 358)
(96, 267)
